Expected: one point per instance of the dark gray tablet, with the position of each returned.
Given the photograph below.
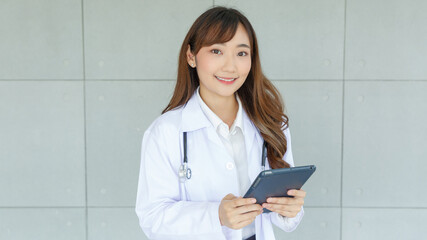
(277, 182)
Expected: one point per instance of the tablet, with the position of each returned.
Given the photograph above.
(277, 182)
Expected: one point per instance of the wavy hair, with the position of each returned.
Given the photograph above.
(260, 99)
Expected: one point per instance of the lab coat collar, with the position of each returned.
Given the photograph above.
(193, 117)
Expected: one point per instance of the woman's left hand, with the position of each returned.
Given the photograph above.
(286, 206)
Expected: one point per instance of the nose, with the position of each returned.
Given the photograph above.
(229, 64)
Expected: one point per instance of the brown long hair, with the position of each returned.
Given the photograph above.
(260, 99)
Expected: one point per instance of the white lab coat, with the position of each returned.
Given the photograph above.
(168, 209)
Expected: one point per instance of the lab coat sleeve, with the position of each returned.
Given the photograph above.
(285, 223)
(161, 212)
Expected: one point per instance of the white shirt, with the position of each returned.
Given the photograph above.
(234, 141)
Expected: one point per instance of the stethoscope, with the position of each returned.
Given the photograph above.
(184, 172)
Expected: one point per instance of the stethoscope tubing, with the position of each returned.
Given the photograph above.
(185, 147)
(185, 171)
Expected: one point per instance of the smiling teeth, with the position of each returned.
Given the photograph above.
(227, 80)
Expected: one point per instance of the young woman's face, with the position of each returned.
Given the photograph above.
(223, 67)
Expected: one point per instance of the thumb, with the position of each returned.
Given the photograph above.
(229, 196)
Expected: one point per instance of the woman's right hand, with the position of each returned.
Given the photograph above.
(237, 212)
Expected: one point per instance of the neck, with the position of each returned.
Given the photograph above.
(224, 107)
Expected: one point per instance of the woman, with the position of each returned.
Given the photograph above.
(222, 110)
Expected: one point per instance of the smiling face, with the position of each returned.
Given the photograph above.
(223, 67)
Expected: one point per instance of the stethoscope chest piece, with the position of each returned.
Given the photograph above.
(184, 172)
(188, 173)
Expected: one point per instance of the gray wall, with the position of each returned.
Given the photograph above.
(80, 81)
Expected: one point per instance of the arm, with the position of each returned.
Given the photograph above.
(161, 211)
(287, 224)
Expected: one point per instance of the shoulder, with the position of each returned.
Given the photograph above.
(287, 132)
(167, 124)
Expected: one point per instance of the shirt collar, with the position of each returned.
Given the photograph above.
(215, 120)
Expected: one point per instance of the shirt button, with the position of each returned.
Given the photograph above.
(230, 165)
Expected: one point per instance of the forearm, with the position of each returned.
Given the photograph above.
(180, 220)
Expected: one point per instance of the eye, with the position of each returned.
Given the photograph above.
(214, 50)
(244, 54)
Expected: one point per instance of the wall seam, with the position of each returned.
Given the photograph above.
(84, 120)
(276, 79)
(132, 207)
(342, 120)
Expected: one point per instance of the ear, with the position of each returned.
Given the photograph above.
(191, 59)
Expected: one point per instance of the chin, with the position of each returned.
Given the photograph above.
(228, 92)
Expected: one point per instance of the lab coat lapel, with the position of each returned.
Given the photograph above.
(253, 143)
(192, 116)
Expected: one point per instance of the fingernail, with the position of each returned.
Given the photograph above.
(253, 200)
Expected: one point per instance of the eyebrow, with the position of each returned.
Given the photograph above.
(240, 45)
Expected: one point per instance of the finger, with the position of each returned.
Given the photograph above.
(276, 207)
(248, 216)
(286, 200)
(282, 207)
(243, 201)
(248, 208)
(297, 193)
(243, 224)
(228, 201)
(280, 200)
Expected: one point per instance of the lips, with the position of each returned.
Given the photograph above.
(224, 79)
